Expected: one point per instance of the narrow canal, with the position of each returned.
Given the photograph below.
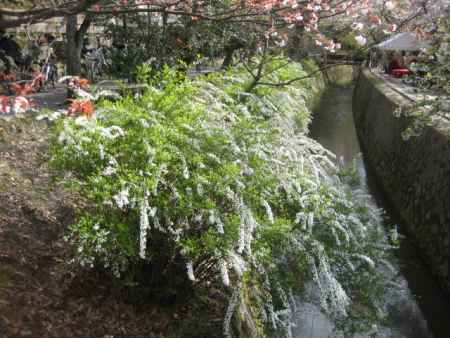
(416, 307)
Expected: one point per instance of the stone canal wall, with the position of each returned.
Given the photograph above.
(414, 175)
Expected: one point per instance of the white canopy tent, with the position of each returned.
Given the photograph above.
(405, 41)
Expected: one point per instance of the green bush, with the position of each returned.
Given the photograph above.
(197, 180)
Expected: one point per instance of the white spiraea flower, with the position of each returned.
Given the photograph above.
(234, 300)
(238, 263)
(190, 271)
(361, 40)
(224, 273)
(268, 211)
(366, 259)
(333, 298)
(101, 150)
(144, 225)
(109, 171)
(112, 132)
(121, 198)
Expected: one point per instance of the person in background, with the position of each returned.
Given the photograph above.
(409, 58)
(49, 38)
(396, 62)
(402, 59)
(386, 63)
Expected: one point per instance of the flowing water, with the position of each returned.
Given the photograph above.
(417, 308)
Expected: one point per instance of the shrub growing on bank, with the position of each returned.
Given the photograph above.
(196, 181)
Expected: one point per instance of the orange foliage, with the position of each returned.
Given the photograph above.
(7, 76)
(38, 81)
(22, 89)
(83, 83)
(79, 106)
(4, 104)
(29, 87)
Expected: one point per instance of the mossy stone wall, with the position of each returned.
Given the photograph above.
(414, 175)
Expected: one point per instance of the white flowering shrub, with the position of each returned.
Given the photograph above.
(196, 181)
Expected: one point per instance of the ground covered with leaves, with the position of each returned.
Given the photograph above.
(40, 296)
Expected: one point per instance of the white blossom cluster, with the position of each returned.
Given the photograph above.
(303, 166)
(326, 228)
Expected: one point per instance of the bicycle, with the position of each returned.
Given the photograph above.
(95, 64)
(49, 72)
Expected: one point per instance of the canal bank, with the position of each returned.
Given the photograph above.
(415, 305)
(413, 174)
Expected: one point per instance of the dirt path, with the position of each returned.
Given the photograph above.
(40, 297)
(52, 99)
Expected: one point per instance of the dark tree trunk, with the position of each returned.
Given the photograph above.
(233, 45)
(74, 45)
(73, 50)
(228, 58)
(163, 39)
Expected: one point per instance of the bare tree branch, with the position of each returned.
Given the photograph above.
(312, 74)
(38, 15)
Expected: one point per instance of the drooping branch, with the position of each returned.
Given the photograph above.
(259, 74)
(421, 11)
(307, 76)
(17, 18)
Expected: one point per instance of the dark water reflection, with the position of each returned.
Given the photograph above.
(420, 311)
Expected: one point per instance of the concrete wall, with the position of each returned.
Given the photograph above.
(414, 175)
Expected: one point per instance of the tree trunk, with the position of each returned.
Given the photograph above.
(73, 51)
(233, 45)
(74, 43)
(228, 58)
